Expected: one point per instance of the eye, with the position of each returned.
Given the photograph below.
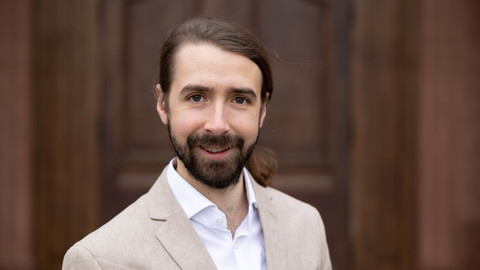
(240, 100)
(196, 98)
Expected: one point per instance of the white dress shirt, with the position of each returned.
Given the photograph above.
(247, 248)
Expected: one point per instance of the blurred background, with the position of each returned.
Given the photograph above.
(374, 119)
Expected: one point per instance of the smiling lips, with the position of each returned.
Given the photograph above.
(213, 152)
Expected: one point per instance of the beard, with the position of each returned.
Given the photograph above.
(218, 174)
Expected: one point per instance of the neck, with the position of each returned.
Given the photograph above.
(232, 201)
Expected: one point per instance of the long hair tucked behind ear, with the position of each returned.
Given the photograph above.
(233, 38)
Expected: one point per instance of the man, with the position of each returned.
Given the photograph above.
(206, 210)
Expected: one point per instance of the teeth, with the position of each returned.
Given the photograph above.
(215, 150)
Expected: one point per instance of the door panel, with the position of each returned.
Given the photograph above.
(306, 120)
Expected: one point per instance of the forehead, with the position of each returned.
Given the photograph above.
(214, 67)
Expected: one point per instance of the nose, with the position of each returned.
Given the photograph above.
(217, 121)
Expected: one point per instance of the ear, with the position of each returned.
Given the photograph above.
(161, 105)
(263, 110)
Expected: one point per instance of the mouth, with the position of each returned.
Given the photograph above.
(215, 152)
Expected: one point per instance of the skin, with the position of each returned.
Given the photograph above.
(218, 92)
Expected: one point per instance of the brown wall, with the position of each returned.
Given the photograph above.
(449, 136)
(383, 159)
(16, 177)
(66, 72)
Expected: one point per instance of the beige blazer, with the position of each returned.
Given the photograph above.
(155, 233)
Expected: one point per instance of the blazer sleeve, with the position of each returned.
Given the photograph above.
(78, 257)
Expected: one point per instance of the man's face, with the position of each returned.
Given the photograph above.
(214, 113)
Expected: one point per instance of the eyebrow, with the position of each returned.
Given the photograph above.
(245, 91)
(201, 88)
(194, 88)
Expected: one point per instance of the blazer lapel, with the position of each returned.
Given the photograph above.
(176, 232)
(275, 239)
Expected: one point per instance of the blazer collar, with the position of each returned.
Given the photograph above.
(176, 232)
(182, 242)
(273, 233)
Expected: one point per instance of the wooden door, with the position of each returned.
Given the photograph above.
(306, 122)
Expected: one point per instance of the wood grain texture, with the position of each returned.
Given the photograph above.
(449, 142)
(17, 240)
(66, 118)
(384, 129)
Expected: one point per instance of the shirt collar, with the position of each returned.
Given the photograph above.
(189, 198)
(193, 202)
(252, 200)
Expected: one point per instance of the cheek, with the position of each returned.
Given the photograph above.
(247, 127)
(183, 126)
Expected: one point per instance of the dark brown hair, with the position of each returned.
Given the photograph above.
(233, 38)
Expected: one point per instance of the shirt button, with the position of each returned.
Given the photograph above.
(236, 245)
(219, 221)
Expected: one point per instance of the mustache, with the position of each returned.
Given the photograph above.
(207, 140)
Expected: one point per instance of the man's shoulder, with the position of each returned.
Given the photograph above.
(121, 228)
(131, 223)
(126, 240)
(110, 243)
(288, 206)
